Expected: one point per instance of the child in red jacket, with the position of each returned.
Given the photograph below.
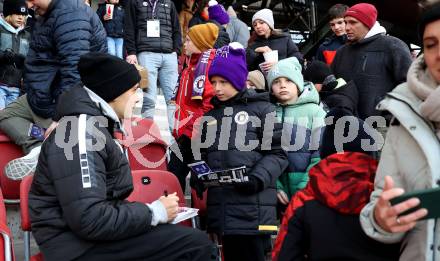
(194, 94)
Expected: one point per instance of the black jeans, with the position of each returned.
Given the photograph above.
(245, 248)
(164, 242)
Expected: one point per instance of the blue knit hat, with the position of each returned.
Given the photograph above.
(230, 63)
(289, 68)
(217, 12)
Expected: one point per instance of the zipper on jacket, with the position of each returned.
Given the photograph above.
(283, 111)
(364, 64)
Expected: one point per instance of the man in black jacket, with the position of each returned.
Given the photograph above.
(374, 61)
(64, 30)
(77, 200)
(153, 39)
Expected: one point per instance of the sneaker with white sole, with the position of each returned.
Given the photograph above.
(17, 169)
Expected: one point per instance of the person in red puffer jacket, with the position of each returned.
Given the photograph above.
(194, 94)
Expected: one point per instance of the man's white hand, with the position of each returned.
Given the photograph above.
(171, 204)
(132, 59)
(389, 217)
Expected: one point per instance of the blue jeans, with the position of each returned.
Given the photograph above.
(114, 46)
(162, 66)
(8, 95)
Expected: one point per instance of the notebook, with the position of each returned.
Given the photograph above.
(184, 214)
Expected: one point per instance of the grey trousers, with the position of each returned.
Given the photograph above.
(16, 120)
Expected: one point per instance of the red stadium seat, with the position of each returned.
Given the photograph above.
(6, 249)
(146, 149)
(9, 151)
(25, 186)
(149, 185)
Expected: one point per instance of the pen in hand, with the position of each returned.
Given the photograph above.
(165, 193)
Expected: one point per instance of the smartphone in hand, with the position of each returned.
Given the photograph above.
(429, 199)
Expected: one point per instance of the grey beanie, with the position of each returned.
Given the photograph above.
(266, 16)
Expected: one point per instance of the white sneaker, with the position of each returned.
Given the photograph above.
(17, 169)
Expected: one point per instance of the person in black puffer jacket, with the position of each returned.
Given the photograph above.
(64, 30)
(244, 213)
(77, 201)
(113, 25)
(267, 40)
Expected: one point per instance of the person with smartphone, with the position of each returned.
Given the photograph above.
(410, 156)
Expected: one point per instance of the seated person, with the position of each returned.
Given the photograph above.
(77, 200)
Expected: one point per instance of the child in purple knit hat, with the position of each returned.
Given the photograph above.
(217, 12)
(241, 213)
(230, 65)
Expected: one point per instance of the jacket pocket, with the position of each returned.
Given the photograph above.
(372, 63)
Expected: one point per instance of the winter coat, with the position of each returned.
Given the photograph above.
(305, 111)
(113, 27)
(196, 19)
(277, 41)
(12, 63)
(411, 157)
(376, 64)
(78, 196)
(238, 31)
(68, 30)
(189, 108)
(137, 13)
(302, 156)
(300, 117)
(223, 36)
(322, 221)
(327, 50)
(342, 96)
(229, 211)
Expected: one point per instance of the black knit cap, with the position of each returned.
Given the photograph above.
(316, 72)
(11, 7)
(327, 146)
(106, 75)
(430, 14)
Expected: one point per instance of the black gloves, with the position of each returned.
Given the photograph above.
(197, 185)
(9, 57)
(253, 186)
